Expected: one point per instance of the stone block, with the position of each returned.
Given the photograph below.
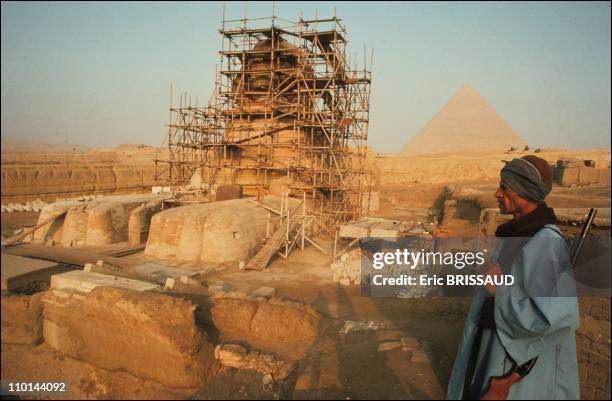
(150, 335)
(588, 175)
(83, 281)
(274, 320)
(567, 176)
(419, 356)
(21, 319)
(409, 343)
(213, 233)
(159, 273)
(19, 272)
(264, 292)
(604, 175)
(389, 346)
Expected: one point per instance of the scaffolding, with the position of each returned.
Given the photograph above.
(289, 113)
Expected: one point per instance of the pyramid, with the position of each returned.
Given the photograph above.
(466, 123)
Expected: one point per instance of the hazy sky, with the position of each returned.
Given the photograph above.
(99, 73)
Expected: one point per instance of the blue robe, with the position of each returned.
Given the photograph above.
(537, 317)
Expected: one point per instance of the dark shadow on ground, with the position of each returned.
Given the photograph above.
(363, 372)
(436, 322)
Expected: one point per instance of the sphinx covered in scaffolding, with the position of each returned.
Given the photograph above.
(288, 114)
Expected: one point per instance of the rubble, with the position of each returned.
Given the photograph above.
(263, 292)
(31, 206)
(236, 356)
(350, 326)
(388, 346)
(347, 269)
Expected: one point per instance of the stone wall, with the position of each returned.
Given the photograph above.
(593, 348)
(568, 176)
(49, 175)
(52, 181)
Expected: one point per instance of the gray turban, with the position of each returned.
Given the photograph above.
(530, 182)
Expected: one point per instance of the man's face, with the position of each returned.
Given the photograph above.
(509, 201)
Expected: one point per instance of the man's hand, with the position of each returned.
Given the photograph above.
(493, 270)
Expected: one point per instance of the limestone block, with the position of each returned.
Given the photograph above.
(151, 336)
(274, 321)
(570, 162)
(409, 343)
(108, 221)
(567, 176)
(359, 229)
(388, 346)
(264, 292)
(21, 319)
(214, 233)
(588, 175)
(604, 175)
(86, 281)
(235, 356)
(388, 229)
(74, 231)
(160, 273)
(419, 356)
(140, 221)
(53, 230)
(99, 221)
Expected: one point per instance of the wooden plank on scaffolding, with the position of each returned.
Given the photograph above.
(262, 258)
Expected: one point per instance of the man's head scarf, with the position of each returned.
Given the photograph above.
(530, 177)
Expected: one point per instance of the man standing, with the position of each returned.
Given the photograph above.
(524, 333)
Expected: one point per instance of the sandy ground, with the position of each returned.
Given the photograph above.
(336, 365)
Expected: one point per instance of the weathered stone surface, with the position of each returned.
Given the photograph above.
(388, 346)
(21, 319)
(229, 354)
(264, 292)
(160, 273)
(273, 320)
(99, 221)
(54, 230)
(235, 356)
(216, 233)
(86, 281)
(409, 343)
(588, 175)
(152, 336)
(140, 221)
